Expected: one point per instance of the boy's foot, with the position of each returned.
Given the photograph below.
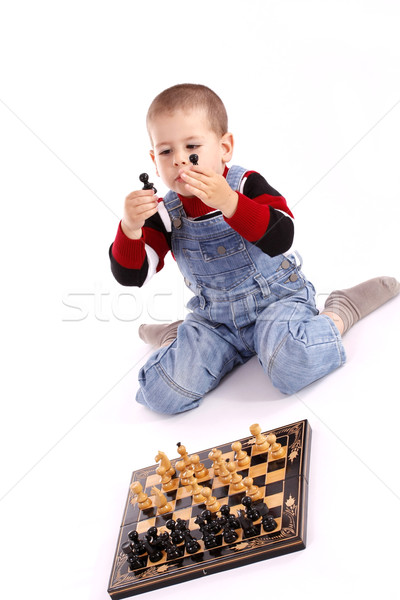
(159, 335)
(357, 302)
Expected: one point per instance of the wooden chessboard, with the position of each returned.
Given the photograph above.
(284, 485)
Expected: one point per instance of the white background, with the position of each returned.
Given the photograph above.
(313, 93)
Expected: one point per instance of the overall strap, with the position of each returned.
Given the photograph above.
(235, 176)
(173, 205)
(171, 200)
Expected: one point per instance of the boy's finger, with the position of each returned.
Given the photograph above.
(141, 194)
(193, 178)
(199, 170)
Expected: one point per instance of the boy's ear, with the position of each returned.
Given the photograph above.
(227, 144)
(153, 158)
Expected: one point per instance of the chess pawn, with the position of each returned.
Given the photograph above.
(241, 457)
(186, 476)
(214, 455)
(224, 474)
(236, 479)
(141, 497)
(166, 480)
(253, 491)
(276, 449)
(200, 470)
(262, 444)
(160, 501)
(197, 491)
(211, 501)
(144, 178)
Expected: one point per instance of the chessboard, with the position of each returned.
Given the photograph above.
(276, 478)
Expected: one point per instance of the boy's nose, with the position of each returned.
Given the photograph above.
(180, 158)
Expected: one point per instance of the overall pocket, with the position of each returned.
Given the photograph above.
(220, 263)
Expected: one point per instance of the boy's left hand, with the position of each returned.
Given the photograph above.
(212, 189)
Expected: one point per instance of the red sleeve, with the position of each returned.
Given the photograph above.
(252, 215)
(128, 253)
(131, 253)
(250, 219)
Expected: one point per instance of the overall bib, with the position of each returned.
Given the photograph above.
(245, 303)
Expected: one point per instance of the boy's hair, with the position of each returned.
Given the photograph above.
(186, 96)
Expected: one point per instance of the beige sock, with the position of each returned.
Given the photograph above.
(159, 335)
(357, 302)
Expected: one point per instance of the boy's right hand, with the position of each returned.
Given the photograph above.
(139, 206)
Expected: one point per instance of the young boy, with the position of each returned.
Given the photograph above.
(228, 230)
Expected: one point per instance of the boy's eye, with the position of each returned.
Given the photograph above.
(192, 146)
(165, 152)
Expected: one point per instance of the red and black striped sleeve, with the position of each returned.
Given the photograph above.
(263, 216)
(135, 261)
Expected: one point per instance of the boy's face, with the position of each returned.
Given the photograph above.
(175, 136)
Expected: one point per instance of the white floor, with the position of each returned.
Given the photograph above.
(314, 97)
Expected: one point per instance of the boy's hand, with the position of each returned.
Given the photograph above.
(211, 188)
(139, 206)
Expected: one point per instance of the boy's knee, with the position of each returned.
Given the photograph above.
(167, 404)
(281, 381)
(297, 365)
(163, 396)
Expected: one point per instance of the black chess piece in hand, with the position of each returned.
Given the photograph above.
(194, 159)
(144, 178)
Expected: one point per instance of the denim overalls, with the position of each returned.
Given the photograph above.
(244, 303)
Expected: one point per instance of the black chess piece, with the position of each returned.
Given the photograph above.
(154, 553)
(230, 535)
(135, 563)
(176, 534)
(212, 522)
(133, 559)
(180, 525)
(269, 523)
(144, 178)
(247, 526)
(173, 551)
(251, 512)
(222, 522)
(194, 159)
(232, 520)
(157, 540)
(209, 539)
(191, 544)
(136, 542)
(261, 507)
(201, 522)
(151, 534)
